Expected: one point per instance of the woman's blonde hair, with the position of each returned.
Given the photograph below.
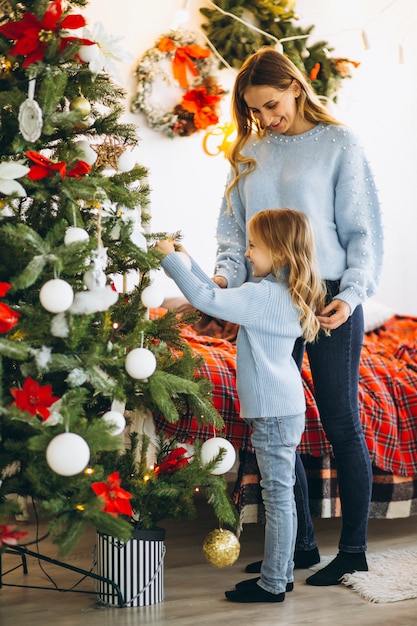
(267, 67)
(288, 235)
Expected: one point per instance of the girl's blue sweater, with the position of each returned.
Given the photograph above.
(268, 381)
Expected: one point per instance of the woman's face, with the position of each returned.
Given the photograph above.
(276, 109)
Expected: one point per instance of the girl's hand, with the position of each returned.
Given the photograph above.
(334, 314)
(165, 246)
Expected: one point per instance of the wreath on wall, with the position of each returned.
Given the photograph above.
(177, 91)
(235, 40)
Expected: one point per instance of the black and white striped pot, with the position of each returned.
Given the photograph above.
(136, 567)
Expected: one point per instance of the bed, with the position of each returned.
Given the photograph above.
(388, 399)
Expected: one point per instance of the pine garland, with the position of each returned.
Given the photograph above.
(236, 41)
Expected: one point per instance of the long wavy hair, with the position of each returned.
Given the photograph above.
(288, 235)
(267, 67)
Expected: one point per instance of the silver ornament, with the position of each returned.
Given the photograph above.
(30, 119)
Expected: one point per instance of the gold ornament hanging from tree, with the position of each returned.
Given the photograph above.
(5, 67)
(221, 548)
(81, 105)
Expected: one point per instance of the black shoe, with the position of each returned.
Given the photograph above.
(302, 560)
(344, 563)
(252, 581)
(253, 568)
(253, 593)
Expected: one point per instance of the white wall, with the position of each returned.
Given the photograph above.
(379, 102)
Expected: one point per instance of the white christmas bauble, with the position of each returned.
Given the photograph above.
(139, 239)
(116, 420)
(56, 295)
(88, 154)
(126, 161)
(88, 53)
(211, 448)
(152, 297)
(184, 258)
(140, 363)
(74, 234)
(67, 454)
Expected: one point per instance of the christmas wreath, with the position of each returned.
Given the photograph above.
(176, 89)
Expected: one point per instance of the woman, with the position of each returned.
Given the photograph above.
(290, 151)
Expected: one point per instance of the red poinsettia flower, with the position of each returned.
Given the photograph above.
(32, 35)
(43, 166)
(116, 499)
(173, 461)
(81, 168)
(8, 317)
(204, 118)
(198, 98)
(34, 398)
(4, 288)
(9, 536)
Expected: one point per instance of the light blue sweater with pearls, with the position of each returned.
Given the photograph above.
(268, 381)
(324, 173)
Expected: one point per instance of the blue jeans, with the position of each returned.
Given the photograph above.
(334, 363)
(275, 440)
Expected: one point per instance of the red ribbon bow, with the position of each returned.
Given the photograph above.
(45, 167)
(183, 59)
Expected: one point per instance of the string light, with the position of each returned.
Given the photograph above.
(365, 41)
(400, 55)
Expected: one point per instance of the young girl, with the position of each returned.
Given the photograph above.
(272, 314)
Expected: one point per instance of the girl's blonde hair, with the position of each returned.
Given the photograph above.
(267, 67)
(288, 235)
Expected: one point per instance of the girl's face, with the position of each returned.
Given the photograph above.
(276, 109)
(259, 256)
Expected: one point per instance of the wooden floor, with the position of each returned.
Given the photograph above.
(194, 589)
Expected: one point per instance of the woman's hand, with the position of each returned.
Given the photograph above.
(334, 315)
(165, 246)
(220, 280)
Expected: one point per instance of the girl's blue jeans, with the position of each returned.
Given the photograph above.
(275, 440)
(334, 363)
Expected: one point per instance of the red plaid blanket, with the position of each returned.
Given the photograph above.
(388, 397)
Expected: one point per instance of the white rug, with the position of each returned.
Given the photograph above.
(392, 576)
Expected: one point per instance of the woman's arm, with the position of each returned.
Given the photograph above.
(231, 243)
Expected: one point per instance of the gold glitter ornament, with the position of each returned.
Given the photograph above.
(81, 105)
(221, 548)
(5, 67)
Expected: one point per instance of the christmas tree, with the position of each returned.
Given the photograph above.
(78, 353)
